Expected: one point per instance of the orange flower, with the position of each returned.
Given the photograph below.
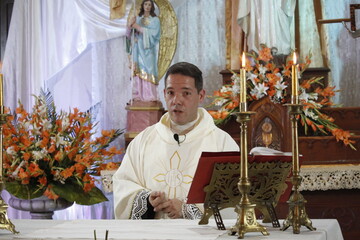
(50, 194)
(58, 156)
(232, 105)
(66, 173)
(111, 166)
(88, 183)
(114, 150)
(43, 180)
(26, 141)
(34, 169)
(306, 84)
(24, 176)
(265, 54)
(26, 156)
(79, 168)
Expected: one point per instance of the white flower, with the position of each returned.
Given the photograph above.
(304, 96)
(38, 155)
(280, 85)
(42, 109)
(15, 173)
(59, 141)
(36, 130)
(262, 69)
(280, 76)
(65, 123)
(235, 78)
(235, 89)
(219, 102)
(225, 89)
(307, 97)
(58, 177)
(279, 94)
(11, 151)
(25, 125)
(309, 113)
(252, 77)
(259, 90)
(46, 124)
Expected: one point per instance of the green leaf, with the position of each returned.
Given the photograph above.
(75, 193)
(23, 191)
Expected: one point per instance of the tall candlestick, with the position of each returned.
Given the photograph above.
(294, 87)
(243, 107)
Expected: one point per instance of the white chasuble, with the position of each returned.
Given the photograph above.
(155, 161)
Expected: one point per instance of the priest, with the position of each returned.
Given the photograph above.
(157, 170)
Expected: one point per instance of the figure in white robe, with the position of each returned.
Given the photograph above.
(268, 22)
(155, 161)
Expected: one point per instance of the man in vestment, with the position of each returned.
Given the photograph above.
(156, 173)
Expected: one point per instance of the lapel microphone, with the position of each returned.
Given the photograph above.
(177, 138)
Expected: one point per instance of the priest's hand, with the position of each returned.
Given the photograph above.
(156, 198)
(172, 208)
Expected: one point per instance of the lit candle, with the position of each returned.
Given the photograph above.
(243, 85)
(295, 91)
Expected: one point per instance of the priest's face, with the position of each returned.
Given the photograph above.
(182, 98)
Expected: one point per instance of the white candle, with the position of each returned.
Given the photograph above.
(294, 83)
(243, 83)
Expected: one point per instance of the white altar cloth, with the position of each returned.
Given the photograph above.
(327, 229)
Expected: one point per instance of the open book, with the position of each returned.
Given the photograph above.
(268, 151)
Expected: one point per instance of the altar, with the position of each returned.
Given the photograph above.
(327, 229)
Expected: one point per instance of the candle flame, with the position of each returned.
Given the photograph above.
(243, 60)
(294, 58)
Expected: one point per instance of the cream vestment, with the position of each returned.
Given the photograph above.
(154, 161)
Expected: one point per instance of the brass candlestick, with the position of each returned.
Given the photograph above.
(246, 220)
(5, 222)
(297, 215)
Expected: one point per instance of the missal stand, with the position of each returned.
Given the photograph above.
(216, 184)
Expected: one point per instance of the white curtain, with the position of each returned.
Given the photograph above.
(342, 52)
(72, 48)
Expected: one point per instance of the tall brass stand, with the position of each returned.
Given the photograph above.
(246, 220)
(5, 222)
(297, 215)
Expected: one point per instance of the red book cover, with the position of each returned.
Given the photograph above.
(205, 168)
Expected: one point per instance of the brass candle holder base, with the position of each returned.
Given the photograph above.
(297, 215)
(5, 223)
(246, 220)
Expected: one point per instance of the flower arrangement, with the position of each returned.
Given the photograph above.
(265, 79)
(56, 155)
